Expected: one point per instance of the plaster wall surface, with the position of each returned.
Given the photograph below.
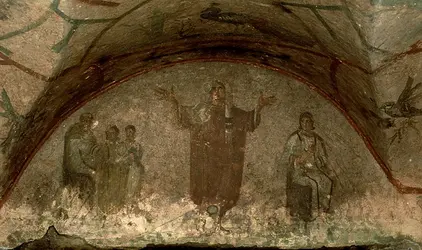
(364, 204)
(362, 56)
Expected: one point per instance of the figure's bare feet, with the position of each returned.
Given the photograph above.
(224, 230)
(220, 227)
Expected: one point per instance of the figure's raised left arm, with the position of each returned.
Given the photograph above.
(255, 115)
(264, 101)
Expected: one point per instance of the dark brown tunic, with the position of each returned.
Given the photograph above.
(112, 177)
(216, 163)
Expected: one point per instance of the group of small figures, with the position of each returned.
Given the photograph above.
(108, 175)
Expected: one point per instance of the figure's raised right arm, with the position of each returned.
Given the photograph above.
(179, 111)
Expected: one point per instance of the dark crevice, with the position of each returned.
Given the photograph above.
(224, 247)
(54, 240)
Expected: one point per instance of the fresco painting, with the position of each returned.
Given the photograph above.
(198, 155)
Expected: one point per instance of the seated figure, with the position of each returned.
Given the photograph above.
(309, 181)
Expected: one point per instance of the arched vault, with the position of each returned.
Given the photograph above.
(356, 54)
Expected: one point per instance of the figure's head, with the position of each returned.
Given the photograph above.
(306, 121)
(130, 131)
(112, 133)
(86, 119)
(218, 93)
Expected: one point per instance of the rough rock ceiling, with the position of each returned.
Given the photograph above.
(56, 55)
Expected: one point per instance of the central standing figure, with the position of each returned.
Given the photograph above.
(217, 146)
